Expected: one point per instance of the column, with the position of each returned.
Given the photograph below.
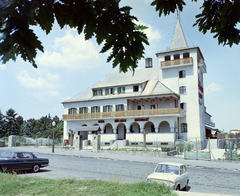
(156, 130)
(128, 130)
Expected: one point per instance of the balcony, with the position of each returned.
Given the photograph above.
(176, 62)
(136, 113)
(202, 66)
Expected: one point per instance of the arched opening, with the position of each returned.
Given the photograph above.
(186, 55)
(164, 127)
(121, 131)
(108, 129)
(149, 127)
(167, 58)
(134, 128)
(176, 56)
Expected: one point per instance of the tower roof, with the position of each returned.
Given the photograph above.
(179, 40)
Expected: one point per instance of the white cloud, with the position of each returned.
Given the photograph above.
(152, 33)
(214, 87)
(70, 51)
(46, 80)
(46, 95)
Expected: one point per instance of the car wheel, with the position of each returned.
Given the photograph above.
(185, 188)
(178, 187)
(36, 168)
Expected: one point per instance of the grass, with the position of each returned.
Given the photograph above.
(11, 184)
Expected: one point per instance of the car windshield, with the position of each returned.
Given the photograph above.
(5, 154)
(167, 168)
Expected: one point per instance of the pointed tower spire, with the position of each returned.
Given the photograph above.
(179, 40)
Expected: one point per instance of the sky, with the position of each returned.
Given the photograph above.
(70, 64)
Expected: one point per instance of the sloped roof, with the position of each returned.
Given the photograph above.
(150, 76)
(179, 40)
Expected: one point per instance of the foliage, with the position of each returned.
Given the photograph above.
(219, 17)
(165, 148)
(14, 185)
(11, 124)
(113, 26)
(180, 146)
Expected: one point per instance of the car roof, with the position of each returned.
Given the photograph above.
(171, 163)
(15, 151)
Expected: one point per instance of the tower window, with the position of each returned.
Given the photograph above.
(183, 106)
(186, 55)
(167, 58)
(184, 127)
(182, 89)
(176, 56)
(182, 74)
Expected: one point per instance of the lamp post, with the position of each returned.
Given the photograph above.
(53, 124)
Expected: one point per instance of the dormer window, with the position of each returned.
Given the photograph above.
(97, 92)
(109, 91)
(135, 88)
(121, 90)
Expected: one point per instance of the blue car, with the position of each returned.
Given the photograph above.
(15, 161)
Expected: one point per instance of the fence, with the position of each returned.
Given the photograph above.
(193, 149)
(26, 141)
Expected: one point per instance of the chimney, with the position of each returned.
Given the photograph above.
(148, 62)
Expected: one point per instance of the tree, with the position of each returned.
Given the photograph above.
(11, 125)
(218, 16)
(104, 19)
(27, 130)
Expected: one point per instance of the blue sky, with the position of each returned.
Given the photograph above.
(69, 65)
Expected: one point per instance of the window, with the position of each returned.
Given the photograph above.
(109, 91)
(182, 74)
(120, 107)
(182, 89)
(167, 58)
(184, 127)
(153, 106)
(72, 111)
(176, 56)
(186, 55)
(183, 106)
(97, 92)
(95, 109)
(83, 110)
(121, 90)
(107, 108)
(135, 88)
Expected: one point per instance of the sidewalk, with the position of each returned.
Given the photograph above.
(101, 155)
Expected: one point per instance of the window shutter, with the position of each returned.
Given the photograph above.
(86, 109)
(111, 108)
(69, 111)
(80, 110)
(124, 89)
(116, 108)
(98, 108)
(104, 108)
(113, 91)
(101, 92)
(106, 91)
(91, 109)
(94, 93)
(119, 90)
(123, 107)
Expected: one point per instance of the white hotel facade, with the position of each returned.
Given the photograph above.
(167, 101)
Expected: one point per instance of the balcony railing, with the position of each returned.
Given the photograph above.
(183, 61)
(118, 114)
(202, 65)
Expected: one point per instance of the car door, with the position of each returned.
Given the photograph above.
(183, 176)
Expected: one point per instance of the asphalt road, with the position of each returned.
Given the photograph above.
(201, 180)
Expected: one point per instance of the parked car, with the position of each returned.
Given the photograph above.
(14, 161)
(174, 175)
